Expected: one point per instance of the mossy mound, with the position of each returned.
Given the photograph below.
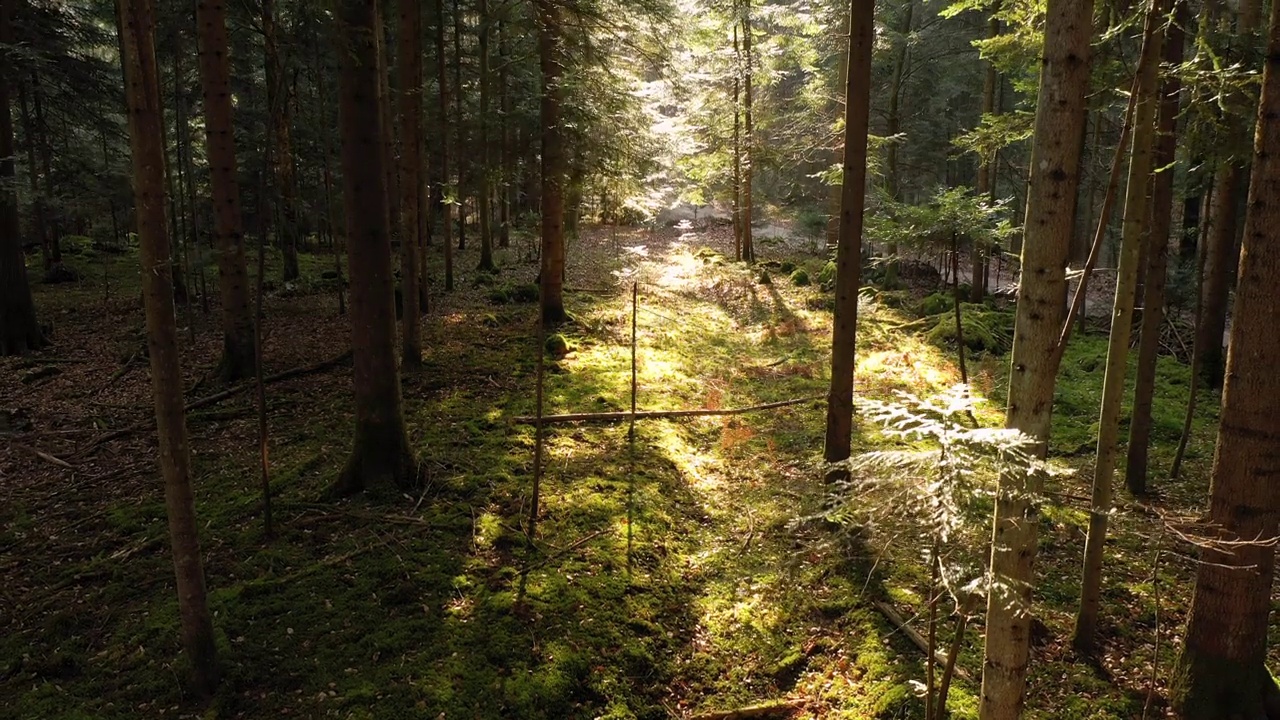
(985, 330)
(827, 276)
(557, 346)
(800, 278)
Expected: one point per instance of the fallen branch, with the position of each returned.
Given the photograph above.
(901, 623)
(215, 398)
(43, 455)
(776, 709)
(650, 414)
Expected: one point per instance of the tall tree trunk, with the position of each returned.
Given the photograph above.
(893, 126)
(281, 135)
(19, 330)
(392, 195)
(1051, 199)
(460, 129)
(38, 224)
(1166, 150)
(1135, 234)
(381, 455)
(748, 143)
(1222, 672)
(409, 56)
(485, 184)
(504, 104)
(46, 168)
(448, 190)
(233, 280)
(986, 173)
(142, 90)
(551, 59)
(836, 446)
(737, 149)
(1215, 285)
(835, 192)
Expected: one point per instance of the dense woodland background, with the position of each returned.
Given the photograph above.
(634, 359)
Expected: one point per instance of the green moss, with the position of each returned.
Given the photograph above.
(800, 278)
(827, 276)
(985, 330)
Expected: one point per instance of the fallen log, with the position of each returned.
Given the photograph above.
(215, 398)
(764, 711)
(651, 414)
(916, 638)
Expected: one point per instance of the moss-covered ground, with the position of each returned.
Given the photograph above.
(671, 574)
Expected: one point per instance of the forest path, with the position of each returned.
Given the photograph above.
(775, 609)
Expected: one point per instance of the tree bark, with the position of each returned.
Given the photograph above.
(551, 58)
(381, 455)
(233, 280)
(142, 90)
(19, 330)
(281, 135)
(1222, 672)
(839, 429)
(409, 57)
(1051, 200)
(506, 182)
(737, 150)
(1166, 150)
(1135, 233)
(459, 128)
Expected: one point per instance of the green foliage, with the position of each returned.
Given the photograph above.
(949, 216)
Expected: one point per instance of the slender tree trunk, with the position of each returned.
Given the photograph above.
(483, 193)
(409, 56)
(460, 130)
(1222, 671)
(1134, 235)
(1051, 198)
(46, 167)
(281, 136)
(381, 455)
(1166, 150)
(137, 21)
(551, 58)
(19, 330)
(38, 224)
(233, 280)
(504, 103)
(839, 429)
(986, 173)
(748, 142)
(737, 149)
(893, 126)
(448, 190)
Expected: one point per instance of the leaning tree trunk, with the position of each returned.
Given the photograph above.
(1222, 671)
(1134, 233)
(1157, 260)
(409, 56)
(281, 136)
(142, 90)
(551, 58)
(19, 330)
(233, 279)
(1051, 200)
(381, 455)
(448, 190)
(836, 446)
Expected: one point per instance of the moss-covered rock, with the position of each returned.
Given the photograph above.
(557, 346)
(800, 277)
(763, 278)
(827, 276)
(985, 330)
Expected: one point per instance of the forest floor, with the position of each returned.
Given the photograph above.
(676, 575)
